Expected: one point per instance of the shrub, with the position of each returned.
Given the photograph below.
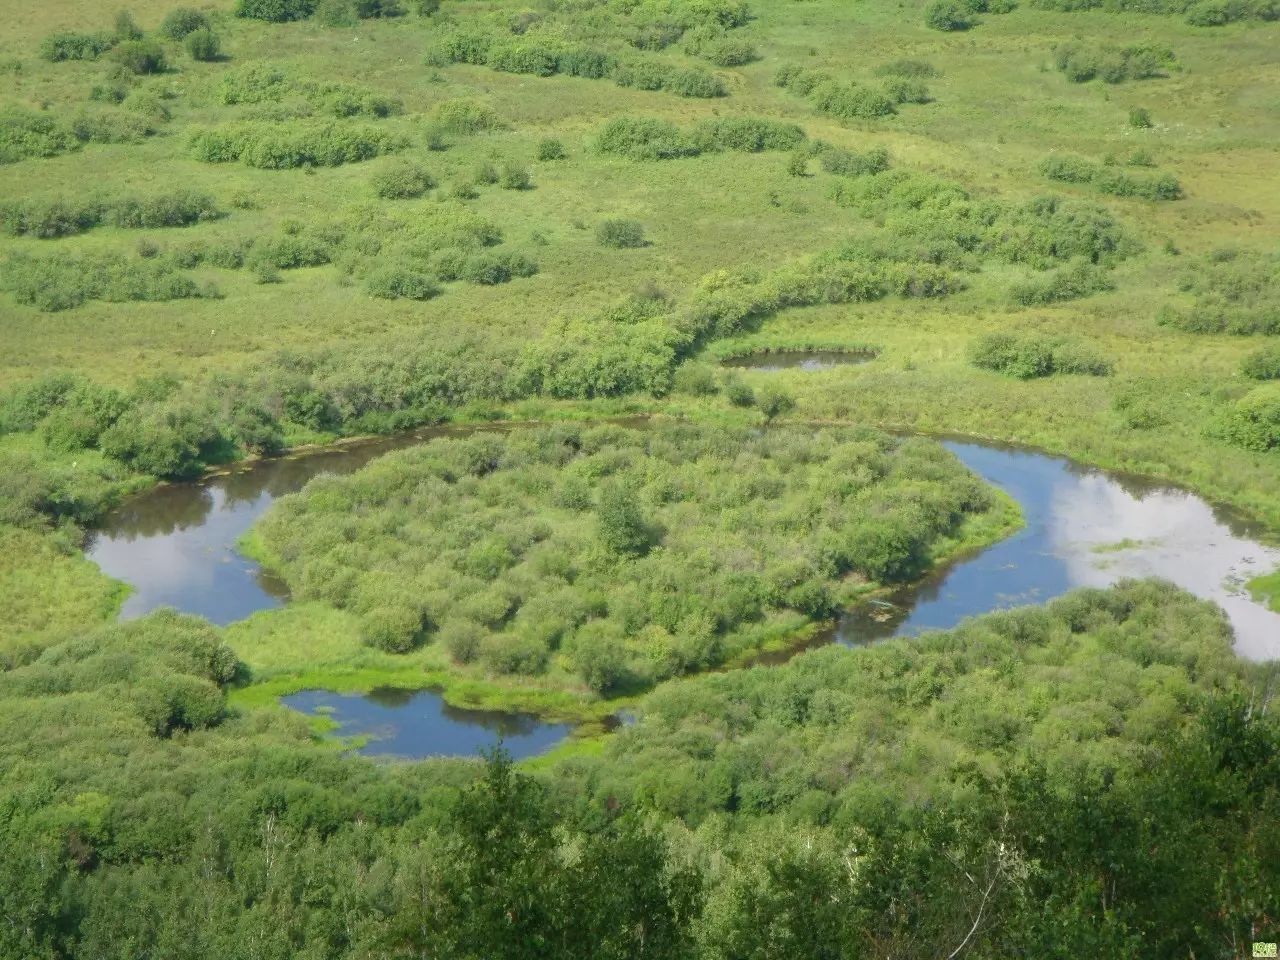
(1253, 421)
(901, 90)
(745, 134)
(774, 403)
(400, 282)
(125, 28)
(620, 234)
(203, 45)
(285, 146)
(695, 83)
(1070, 283)
(550, 148)
(515, 177)
(275, 11)
(426, 8)
(181, 21)
(180, 208)
(401, 181)
(140, 56)
(1028, 356)
(1140, 118)
(69, 45)
(846, 163)
(1080, 64)
(464, 116)
(948, 15)
(720, 48)
(162, 441)
(910, 69)
(29, 133)
(1263, 364)
(845, 101)
(63, 281)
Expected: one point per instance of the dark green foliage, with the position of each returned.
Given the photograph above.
(289, 145)
(69, 45)
(909, 69)
(277, 11)
(126, 28)
(846, 163)
(401, 180)
(1140, 118)
(81, 416)
(509, 518)
(1234, 292)
(1110, 180)
(1080, 279)
(110, 126)
(49, 218)
(949, 15)
(648, 138)
(1081, 64)
(720, 48)
(833, 98)
(140, 56)
(1028, 356)
(901, 90)
(181, 21)
(62, 281)
(261, 83)
(464, 116)
(1262, 364)
(550, 148)
(396, 282)
(425, 8)
(620, 234)
(203, 45)
(166, 441)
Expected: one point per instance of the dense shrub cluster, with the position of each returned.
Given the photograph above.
(719, 47)
(847, 163)
(464, 116)
(261, 83)
(28, 133)
(179, 22)
(936, 220)
(401, 181)
(1111, 180)
(56, 217)
(1030, 355)
(69, 45)
(1080, 279)
(620, 233)
(648, 138)
(591, 542)
(61, 281)
(276, 11)
(1081, 63)
(833, 98)
(545, 56)
(300, 143)
(1233, 292)
(1199, 13)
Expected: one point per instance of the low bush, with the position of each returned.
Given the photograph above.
(464, 116)
(26, 134)
(1111, 180)
(401, 282)
(181, 21)
(515, 177)
(949, 15)
(61, 282)
(290, 145)
(1253, 421)
(846, 163)
(1234, 292)
(1028, 356)
(550, 148)
(275, 11)
(1080, 279)
(402, 180)
(648, 138)
(909, 69)
(1080, 63)
(57, 217)
(620, 234)
(833, 98)
(1263, 364)
(140, 56)
(203, 45)
(69, 45)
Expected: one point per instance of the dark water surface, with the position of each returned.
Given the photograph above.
(418, 723)
(807, 360)
(176, 546)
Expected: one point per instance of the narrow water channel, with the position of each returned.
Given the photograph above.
(176, 546)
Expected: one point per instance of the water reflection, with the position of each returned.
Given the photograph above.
(1084, 528)
(418, 723)
(807, 360)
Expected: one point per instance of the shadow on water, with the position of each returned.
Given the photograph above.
(806, 360)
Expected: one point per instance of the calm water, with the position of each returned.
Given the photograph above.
(418, 723)
(1084, 528)
(176, 546)
(808, 360)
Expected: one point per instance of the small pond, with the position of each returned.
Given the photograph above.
(807, 360)
(418, 723)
